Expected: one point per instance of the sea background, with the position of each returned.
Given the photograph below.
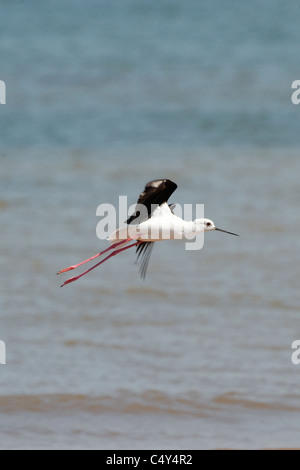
(103, 96)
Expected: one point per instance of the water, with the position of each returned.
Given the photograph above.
(101, 98)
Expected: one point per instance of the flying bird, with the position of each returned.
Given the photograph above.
(153, 220)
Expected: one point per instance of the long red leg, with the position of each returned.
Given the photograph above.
(112, 247)
(75, 278)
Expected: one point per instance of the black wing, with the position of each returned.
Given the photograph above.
(155, 193)
(144, 250)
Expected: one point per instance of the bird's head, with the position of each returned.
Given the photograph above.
(206, 225)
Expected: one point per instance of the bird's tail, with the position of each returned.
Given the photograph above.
(115, 248)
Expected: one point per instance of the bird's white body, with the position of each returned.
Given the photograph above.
(162, 225)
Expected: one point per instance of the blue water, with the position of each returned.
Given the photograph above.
(103, 96)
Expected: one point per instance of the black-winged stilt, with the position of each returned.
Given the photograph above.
(153, 220)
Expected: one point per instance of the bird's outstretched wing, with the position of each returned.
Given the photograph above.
(155, 193)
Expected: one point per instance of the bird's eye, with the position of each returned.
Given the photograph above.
(208, 224)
